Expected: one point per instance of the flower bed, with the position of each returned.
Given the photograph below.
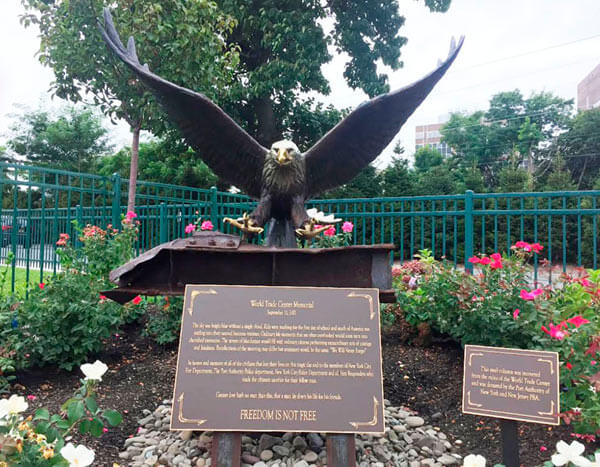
(497, 306)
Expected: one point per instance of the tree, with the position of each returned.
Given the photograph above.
(160, 161)
(182, 41)
(426, 158)
(72, 140)
(488, 140)
(397, 179)
(283, 46)
(581, 148)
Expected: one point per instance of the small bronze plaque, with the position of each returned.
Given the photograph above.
(256, 358)
(511, 383)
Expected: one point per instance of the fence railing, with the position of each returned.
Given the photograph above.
(38, 204)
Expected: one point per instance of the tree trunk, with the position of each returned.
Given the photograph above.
(267, 132)
(133, 168)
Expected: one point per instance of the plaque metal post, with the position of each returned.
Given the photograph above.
(510, 443)
(226, 449)
(341, 450)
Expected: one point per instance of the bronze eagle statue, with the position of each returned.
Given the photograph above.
(281, 178)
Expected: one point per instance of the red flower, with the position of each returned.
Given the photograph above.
(330, 232)
(521, 244)
(543, 448)
(474, 260)
(577, 320)
(516, 313)
(485, 260)
(41, 285)
(569, 366)
(137, 300)
(103, 297)
(536, 247)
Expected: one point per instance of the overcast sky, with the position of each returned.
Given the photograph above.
(531, 45)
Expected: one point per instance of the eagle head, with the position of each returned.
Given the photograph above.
(284, 152)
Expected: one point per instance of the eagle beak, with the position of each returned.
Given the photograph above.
(283, 157)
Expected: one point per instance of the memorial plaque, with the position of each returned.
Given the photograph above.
(256, 358)
(511, 383)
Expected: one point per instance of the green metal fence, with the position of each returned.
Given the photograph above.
(39, 203)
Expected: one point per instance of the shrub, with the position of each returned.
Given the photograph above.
(66, 319)
(497, 306)
(164, 324)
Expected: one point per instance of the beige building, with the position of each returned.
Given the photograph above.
(588, 91)
(429, 135)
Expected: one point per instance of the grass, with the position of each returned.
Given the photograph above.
(20, 279)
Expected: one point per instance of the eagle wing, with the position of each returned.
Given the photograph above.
(359, 138)
(226, 148)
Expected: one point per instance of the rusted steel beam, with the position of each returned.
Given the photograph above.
(226, 449)
(341, 450)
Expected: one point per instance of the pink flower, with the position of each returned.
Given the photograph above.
(190, 228)
(31, 397)
(330, 232)
(347, 227)
(130, 216)
(104, 430)
(103, 297)
(496, 256)
(521, 244)
(474, 260)
(137, 300)
(516, 313)
(569, 366)
(496, 265)
(555, 331)
(585, 282)
(543, 448)
(530, 295)
(593, 362)
(577, 320)
(206, 225)
(485, 260)
(41, 285)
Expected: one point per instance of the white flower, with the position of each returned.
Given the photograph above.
(474, 460)
(13, 405)
(318, 216)
(569, 453)
(94, 371)
(79, 456)
(593, 389)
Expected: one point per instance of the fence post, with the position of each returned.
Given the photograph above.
(214, 207)
(468, 229)
(79, 219)
(163, 223)
(116, 201)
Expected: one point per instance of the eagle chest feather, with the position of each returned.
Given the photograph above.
(284, 181)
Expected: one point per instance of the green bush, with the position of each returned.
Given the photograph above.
(497, 306)
(164, 324)
(66, 319)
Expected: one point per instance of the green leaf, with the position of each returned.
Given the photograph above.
(41, 414)
(84, 426)
(91, 404)
(96, 427)
(42, 428)
(63, 424)
(112, 417)
(75, 411)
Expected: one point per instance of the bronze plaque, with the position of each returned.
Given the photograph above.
(511, 383)
(257, 358)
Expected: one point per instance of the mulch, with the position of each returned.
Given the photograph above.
(426, 378)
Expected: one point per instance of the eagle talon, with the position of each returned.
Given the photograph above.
(245, 223)
(309, 231)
